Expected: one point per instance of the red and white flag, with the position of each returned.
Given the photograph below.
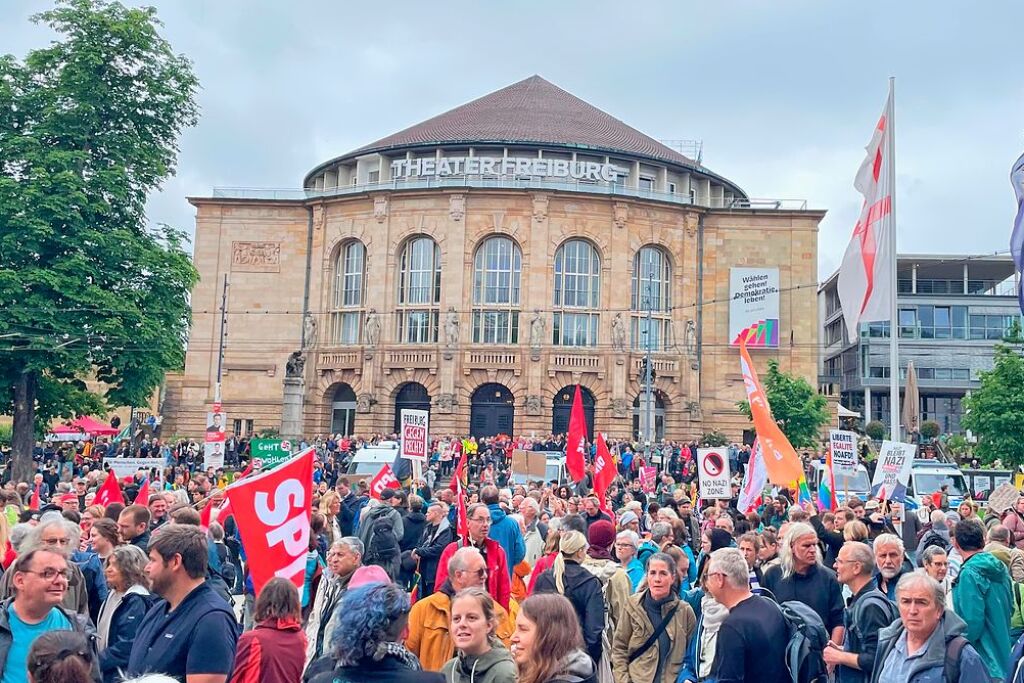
(143, 496)
(754, 479)
(576, 441)
(109, 492)
(275, 507)
(385, 479)
(865, 276)
(604, 471)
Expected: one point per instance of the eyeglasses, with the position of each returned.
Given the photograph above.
(480, 520)
(49, 574)
(57, 541)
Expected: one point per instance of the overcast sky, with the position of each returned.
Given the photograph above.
(783, 94)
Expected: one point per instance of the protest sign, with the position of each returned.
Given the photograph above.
(269, 453)
(213, 455)
(713, 473)
(648, 475)
(414, 434)
(844, 452)
(892, 472)
(275, 507)
(127, 467)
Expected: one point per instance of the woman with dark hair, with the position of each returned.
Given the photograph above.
(119, 616)
(275, 650)
(61, 657)
(104, 537)
(651, 637)
(113, 511)
(711, 540)
(365, 647)
(548, 644)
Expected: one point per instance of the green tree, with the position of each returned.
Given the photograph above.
(88, 126)
(798, 409)
(995, 412)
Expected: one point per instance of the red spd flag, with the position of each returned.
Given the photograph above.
(273, 509)
(110, 492)
(385, 479)
(576, 442)
(143, 497)
(604, 471)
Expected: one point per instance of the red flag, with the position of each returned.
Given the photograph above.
(461, 518)
(604, 471)
(576, 443)
(35, 504)
(385, 479)
(276, 507)
(206, 515)
(143, 497)
(460, 479)
(110, 492)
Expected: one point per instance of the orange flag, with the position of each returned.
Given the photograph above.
(781, 461)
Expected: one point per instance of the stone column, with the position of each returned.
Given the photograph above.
(292, 408)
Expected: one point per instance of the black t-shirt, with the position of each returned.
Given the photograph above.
(751, 644)
(818, 589)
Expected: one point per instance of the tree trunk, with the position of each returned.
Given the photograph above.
(23, 433)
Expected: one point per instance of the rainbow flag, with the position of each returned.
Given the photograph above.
(803, 494)
(827, 487)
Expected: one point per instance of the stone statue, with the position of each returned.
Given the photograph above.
(309, 331)
(295, 365)
(537, 326)
(533, 405)
(691, 338)
(451, 328)
(618, 334)
(372, 328)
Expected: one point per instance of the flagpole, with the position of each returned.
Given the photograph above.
(894, 352)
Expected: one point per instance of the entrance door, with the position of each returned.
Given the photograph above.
(561, 409)
(412, 396)
(492, 412)
(343, 411)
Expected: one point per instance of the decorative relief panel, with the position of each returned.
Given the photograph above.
(256, 257)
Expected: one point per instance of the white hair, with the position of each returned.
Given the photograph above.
(731, 563)
(786, 560)
(888, 539)
(630, 536)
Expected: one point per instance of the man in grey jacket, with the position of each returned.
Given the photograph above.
(40, 578)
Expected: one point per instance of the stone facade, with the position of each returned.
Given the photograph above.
(261, 246)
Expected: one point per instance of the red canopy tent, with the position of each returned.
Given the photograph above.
(84, 425)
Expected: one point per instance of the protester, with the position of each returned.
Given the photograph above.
(547, 642)
(651, 637)
(127, 603)
(999, 546)
(133, 523)
(891, 563)
(273, 652)
(194, 631)
(61, 657)
(916, 647)
(365, 647)
(56, 534)
(752, 638)
(343, 559)
(503, 530)
(104, 537)
(437, 534)
(479, 657)
(499, 582)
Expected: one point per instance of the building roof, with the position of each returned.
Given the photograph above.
(530, 111)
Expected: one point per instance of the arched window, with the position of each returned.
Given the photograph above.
(348, 298)
(419, 291)
(577, 294)
(497, 269)
(652, 289)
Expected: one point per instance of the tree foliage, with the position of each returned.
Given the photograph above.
(995, 412)
(798, 409)
(88, 127)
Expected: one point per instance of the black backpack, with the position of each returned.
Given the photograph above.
(383, 545)
(807, 641)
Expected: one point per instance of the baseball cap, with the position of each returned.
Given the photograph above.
(871, 505)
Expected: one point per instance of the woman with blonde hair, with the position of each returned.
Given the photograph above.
(478, 657)
(569, 578)
(547, 643)
(330, 508)
(855, 531)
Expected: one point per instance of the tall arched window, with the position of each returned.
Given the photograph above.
(348, 297)
(652, 289)
(419, 291)
(577, 294)
(497, 269)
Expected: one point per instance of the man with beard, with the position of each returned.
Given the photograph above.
(891, 563)
(343, 559)
(192, 635)
(436, 536)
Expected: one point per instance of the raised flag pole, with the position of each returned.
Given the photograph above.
(894, 332)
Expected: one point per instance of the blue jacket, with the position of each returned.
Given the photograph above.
(506, 532)
(95, 581)
(635, 571)
(930, 667)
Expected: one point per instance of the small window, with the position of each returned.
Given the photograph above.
(671, 188)
(647, 184)
(374, 176)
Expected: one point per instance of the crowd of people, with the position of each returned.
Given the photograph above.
(548, 583)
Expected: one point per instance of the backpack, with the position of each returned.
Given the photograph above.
(873, 597)
(383, 544)
(807, 641)
(932, 539)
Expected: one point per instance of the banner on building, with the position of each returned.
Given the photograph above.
(844, 452)
(713, 473)
(754, 302)
(269, 453)
(128, 467)
(415, 427)
(276, 508)
(892, 472)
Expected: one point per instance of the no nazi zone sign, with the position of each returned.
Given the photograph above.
(713, 473)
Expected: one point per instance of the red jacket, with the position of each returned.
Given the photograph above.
(273, 652)
(499, 585)
(543, 563)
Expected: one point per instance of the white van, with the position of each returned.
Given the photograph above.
(927, 476)
(368, 460)
(554, 470)
(857, 484)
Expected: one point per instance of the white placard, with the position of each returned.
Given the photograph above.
(213, 455)
(127, 467)
(892, 473)
(713, 473)
(415, 427)
(844, 451)
(754, 303)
